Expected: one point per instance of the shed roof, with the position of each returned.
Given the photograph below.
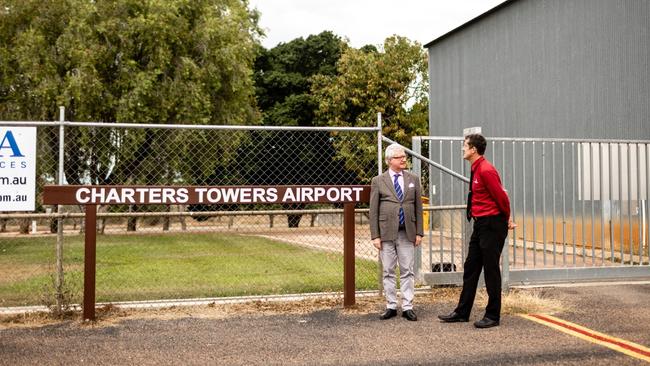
(468, 23)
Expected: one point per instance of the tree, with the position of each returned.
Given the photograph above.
(129, 61)
(392, 81)
(283, 80)
(165, 61)
(283, 77)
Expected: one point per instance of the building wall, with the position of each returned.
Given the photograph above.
(546, 68)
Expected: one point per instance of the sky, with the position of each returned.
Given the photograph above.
(365, 22)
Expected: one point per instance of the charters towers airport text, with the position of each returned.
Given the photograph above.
(184, 195)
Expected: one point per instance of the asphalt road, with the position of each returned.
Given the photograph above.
(331, 337)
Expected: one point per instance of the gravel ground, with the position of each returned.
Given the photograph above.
(329, 335)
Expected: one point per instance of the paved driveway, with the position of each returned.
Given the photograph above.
(334, 337)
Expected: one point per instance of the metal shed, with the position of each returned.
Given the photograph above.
(545, 68)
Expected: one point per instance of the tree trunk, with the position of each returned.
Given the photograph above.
(166, 219)
(294, 220)
(181, 208)
(54, 224)
(102, 221)
(24, 226)
(131, 222)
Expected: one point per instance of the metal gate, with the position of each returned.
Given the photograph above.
(581, 207)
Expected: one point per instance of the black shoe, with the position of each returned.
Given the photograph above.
(486, 323)
(409, 315)
(389, 313)
(454, 317)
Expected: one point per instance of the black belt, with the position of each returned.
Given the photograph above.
(402, 227)
(481, 218)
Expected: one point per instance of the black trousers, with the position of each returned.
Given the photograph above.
(484, 252)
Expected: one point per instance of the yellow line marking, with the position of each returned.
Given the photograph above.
(617, 344)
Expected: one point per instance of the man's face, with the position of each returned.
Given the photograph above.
(398, 162)
(468, 151)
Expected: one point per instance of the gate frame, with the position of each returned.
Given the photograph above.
(530, 276)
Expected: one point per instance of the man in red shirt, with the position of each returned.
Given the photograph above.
(489, 206)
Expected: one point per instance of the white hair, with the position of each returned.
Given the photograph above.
(392, 150)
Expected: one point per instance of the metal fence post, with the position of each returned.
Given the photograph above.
(379, 147)
(59, 220)
(417, 169)
(380, 268)
(505, 264)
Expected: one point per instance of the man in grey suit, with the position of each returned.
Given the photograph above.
(396, 228)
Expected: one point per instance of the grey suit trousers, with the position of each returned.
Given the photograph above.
(399, 251)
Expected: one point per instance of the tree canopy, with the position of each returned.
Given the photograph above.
(200, 62)
(392, 80)
(171, 61)
(283, 80)
(164, 61)
(283, 77)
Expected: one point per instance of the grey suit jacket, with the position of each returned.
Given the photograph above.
(384, 207)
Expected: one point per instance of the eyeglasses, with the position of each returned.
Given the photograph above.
(402, 157)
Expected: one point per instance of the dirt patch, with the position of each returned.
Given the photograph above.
(531, 301)
(515, 302)
(14, 272)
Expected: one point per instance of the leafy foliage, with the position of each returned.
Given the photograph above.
(392, 81)
(283, 79)
(163, 61)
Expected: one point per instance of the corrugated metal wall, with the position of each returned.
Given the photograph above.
(546, 68)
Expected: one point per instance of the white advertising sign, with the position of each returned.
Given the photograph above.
(471, 131)
(17, 168)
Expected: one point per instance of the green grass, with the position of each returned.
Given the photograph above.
(146, 267)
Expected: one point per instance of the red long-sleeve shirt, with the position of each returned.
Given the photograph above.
(489, 198)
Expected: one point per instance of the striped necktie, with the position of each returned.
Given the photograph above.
(400, 196)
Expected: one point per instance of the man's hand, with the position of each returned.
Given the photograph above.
(377, 243)
(511, 224)
(418, 240)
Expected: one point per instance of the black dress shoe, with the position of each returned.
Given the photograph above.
(454, 317)
(409, 315)
(389, 313)
(486, 323)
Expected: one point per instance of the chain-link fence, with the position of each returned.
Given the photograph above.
(189, 251)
